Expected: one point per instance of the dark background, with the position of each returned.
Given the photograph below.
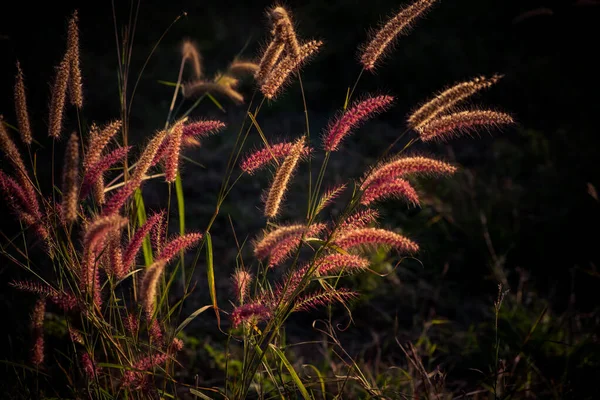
(530, 183)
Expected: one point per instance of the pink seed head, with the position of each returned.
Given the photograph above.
(352, 118)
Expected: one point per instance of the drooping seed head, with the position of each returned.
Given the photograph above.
(449, 98)
(375, 236)
(266, 155)
(407, 166)
(57, 99)
(389, 188)
(189, 52)
(240, 282)
(352, 118)
(447, 126)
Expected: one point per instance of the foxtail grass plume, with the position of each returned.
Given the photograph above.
(358, 220)
(447, 126)
(240, 282)
(337, 263)
(329, 196)
(178, 244)
(75, 85)
(115, 255)
(189, 52)
(21, 107)
(398, 25)
(173, 142)
(65, 301)
(149, 286)
(315, 300)
(57, 100)
(284, 28)
(254, 312)
(271, 153)
(135, 244)
(37, 326)
(240, 67)
(270, 56)
(351, 118)
(375, 236)
(403, 166)
(389, 188)
(200, 87)
(282, 179)
(14, 155)
(89, 366)
(285, 247)
(94, 176)
(274, 81)
(449, 98)
(70, 181)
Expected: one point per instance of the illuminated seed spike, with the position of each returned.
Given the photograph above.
(329, 196)
(37, 326)
(337, 263)
(145, 161)
(273, 83)
(240, 281)
(273, 153)
(350, 119)
(189, 52)
(360, 219)
(201, 87)
(447, 126)
(243, 67)
(21, 107)
(264, 246)
(94, 175)
(282, 179)
(284, 28)
(399, 24)
(70, 182)
(201, 129)
(322, 298)
(149, 286)
(283, 249)
(173, 141)
(253, 311)
(57, 100)
(9, 147)
(403, 166)
(449, 98)
(178, 244)
(389, 188)
(75, 85)
(137, 240)
(375, 236)
(268, 60)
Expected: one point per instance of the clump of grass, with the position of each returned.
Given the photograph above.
(121, 323)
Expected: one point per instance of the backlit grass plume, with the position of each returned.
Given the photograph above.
(70, 183)
(282, 178)
(372, 52)
(21, 107)
(450, 125)
(449, 98)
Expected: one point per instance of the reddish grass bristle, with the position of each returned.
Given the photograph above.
(447, 126)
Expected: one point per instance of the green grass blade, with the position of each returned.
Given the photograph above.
(141, 216)
(210, 275)
(292, 372)
(191, 318)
